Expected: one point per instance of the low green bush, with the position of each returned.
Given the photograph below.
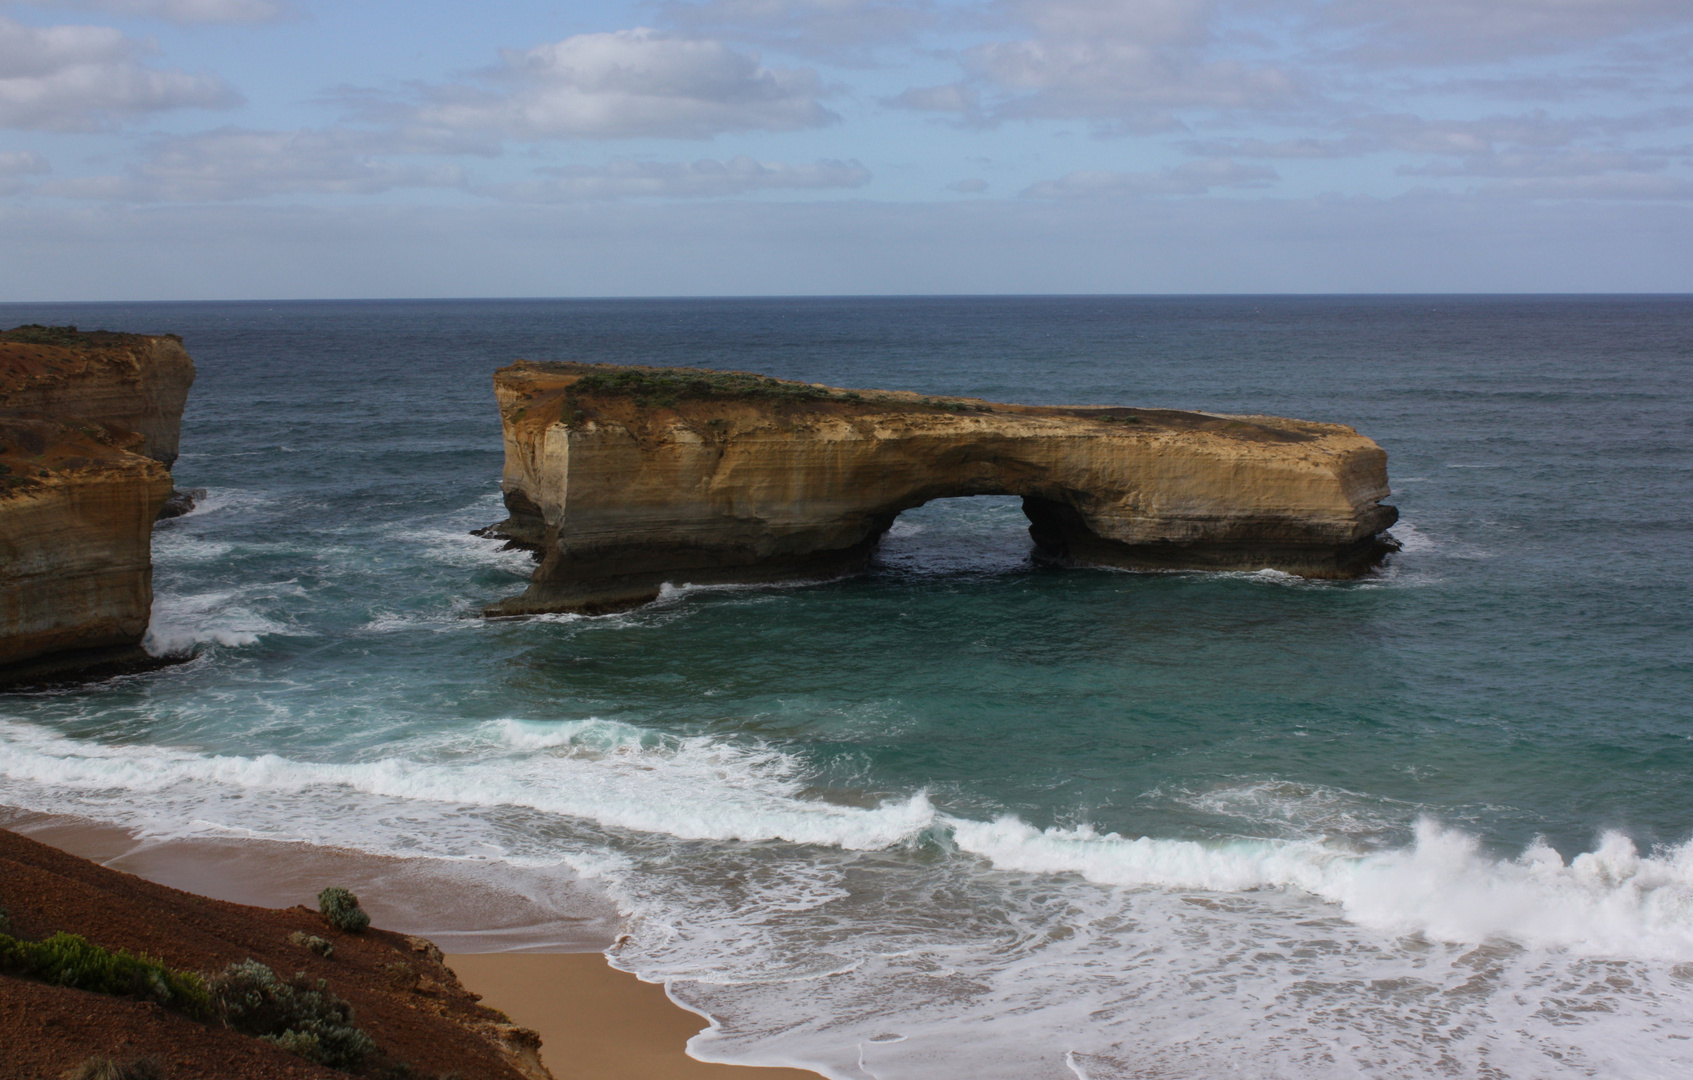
(72, 960)
(299, 1015)
(342, 910)
(314, 943)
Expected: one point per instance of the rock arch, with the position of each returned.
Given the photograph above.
(622, 479)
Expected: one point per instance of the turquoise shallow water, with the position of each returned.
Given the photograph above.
(1145, 824)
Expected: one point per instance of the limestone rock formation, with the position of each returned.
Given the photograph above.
(624, 478)
(88, 425)
(131, 382)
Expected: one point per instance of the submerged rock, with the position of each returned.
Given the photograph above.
(88, 425)
(626, 478)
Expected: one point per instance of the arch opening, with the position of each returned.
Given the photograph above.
(957, 534)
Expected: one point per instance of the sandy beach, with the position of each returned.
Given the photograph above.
(594, 1020)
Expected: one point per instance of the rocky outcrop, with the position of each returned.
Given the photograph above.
(128, 382)
(622, 479)
(88, 425)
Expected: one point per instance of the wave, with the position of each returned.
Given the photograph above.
(614, 775)
(1610, 901)
(181, 622)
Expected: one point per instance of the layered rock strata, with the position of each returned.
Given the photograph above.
(622, 479)
(88, 425)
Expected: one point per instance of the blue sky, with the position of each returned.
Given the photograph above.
(187, 149)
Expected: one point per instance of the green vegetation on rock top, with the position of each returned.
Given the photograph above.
(667, 387)
(36, 334)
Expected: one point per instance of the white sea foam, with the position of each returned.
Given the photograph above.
(607, 773)
(1610, 901)
(1141, 954)
(1411, 539)
(226, 618)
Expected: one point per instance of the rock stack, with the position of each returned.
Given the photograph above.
(89, 424)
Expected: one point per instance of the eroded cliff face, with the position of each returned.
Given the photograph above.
(88, 424)
(623, 479)
(130, 382)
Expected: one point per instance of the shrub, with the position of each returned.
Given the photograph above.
(101, 1067)
(314, 943)
(342, 910)
(300, 1016)
(74, 961)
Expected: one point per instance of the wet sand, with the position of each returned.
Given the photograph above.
(596, 1021)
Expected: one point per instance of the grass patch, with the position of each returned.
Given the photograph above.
(72, 960)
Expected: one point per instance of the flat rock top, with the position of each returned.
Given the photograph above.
(31, 356)
(545, 393)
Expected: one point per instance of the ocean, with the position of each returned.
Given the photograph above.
(965, 816)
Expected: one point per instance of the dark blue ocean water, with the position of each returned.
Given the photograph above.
(1432, 822)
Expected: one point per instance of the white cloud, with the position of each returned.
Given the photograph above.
(844, 31)
(16, 168)
(84, 78)
(1612, 186)
(1464, 31)
(1427, 243)
(22, 163)
(234, 163)
(628, 84)
(1190, 178)
(1309, 148)
(178, 11)
(706, 178)
(1129, 66)
(1526, 164)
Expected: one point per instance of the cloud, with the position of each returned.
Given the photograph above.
(1614, 186)
(706, 178)
(1309, 148)
(86, 78)
(626, 84)
(1132, 67)
(177, 11)
(1560, 163)
(235, 163)
(22, 163)
(1468, 31)
(16, 168)
(843, 31)
(1190, 178)
(1428, 243)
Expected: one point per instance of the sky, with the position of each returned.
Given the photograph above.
(246, 149)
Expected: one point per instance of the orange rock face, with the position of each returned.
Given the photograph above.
(88, 424)
(623, 479)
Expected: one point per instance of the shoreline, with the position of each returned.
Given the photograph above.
(508, 941)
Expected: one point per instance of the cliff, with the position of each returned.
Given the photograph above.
(623, 478)
(88, 424)
(423, 1022)
(131, 382)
